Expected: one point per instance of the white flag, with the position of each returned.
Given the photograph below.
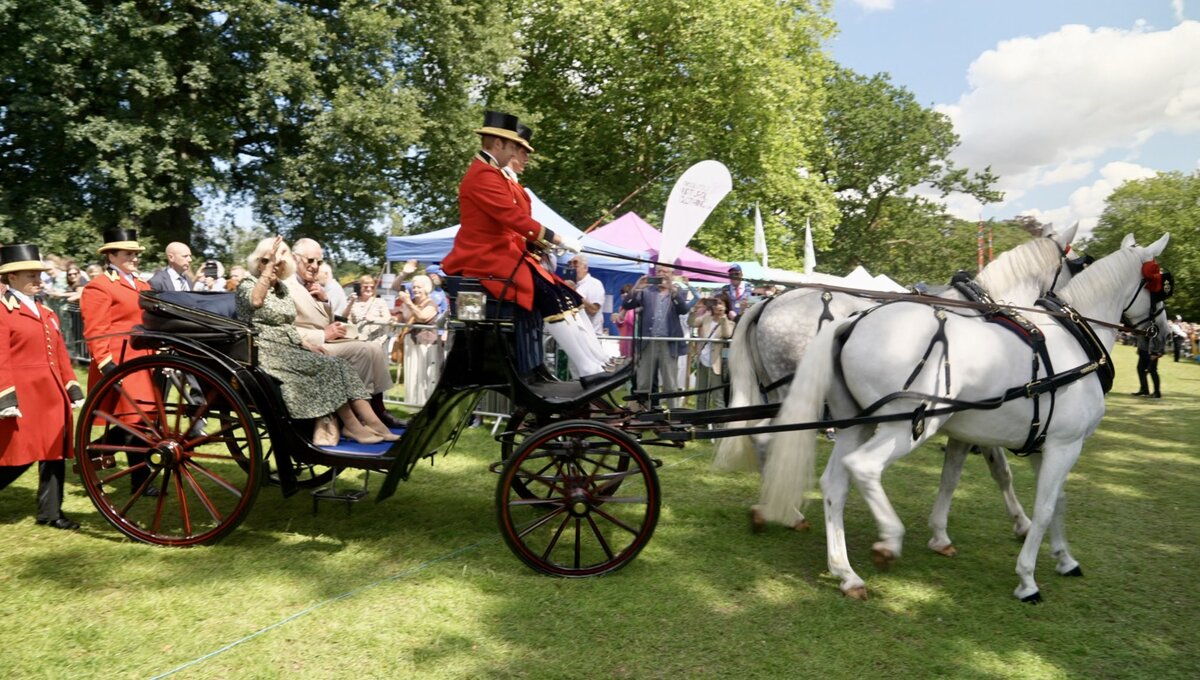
(810, 255)
(694, 196)
(760, 236)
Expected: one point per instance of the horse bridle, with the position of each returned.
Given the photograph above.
(1158, 300)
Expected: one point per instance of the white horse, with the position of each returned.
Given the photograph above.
(982, 362)
(771, 339)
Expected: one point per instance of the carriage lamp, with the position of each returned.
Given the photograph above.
(471, 305)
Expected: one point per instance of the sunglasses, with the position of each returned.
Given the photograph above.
(310, 261)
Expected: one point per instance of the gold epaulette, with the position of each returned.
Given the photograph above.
(11, 303)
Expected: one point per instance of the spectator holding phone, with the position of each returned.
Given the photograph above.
(367, 311)
(212, 277)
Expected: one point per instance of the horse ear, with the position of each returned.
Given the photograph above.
(1129, 240)
(1155, 249)
(1064, 239)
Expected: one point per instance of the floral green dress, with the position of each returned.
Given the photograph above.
(313, 384)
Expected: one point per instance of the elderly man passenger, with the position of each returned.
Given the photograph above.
(314, 320)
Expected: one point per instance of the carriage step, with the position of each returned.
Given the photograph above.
(346, 496)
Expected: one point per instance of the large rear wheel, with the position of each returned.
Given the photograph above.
(578, 499)
(169, 452)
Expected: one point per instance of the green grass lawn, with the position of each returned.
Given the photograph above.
(422, 586)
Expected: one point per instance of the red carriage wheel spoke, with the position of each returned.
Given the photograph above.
(204, 499)
(148, 423)
(138, 493)
(600, 537)
(160, 506)
(184, 512)
(615, 521)
(537, 523)
(218, 479)
(115, 420)
(554, 539)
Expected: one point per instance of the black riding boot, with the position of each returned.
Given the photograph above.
(381, 411)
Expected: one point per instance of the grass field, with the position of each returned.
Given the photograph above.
(422, 586)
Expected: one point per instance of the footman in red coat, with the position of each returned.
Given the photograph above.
(37, 385)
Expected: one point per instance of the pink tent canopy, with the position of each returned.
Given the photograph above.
(632, 232)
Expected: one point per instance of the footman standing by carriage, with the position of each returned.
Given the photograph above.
(493, 244)
(37, 385)
(109, 306)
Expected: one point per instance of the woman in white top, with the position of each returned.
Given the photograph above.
(368, 312)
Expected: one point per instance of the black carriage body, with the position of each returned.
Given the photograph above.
(196, 456)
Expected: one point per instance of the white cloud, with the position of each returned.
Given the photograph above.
(876, 5)
(1045, 110)
(1046, 104)
(1086, 203)
(1177, 9)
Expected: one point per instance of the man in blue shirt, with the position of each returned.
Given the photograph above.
(662, 303)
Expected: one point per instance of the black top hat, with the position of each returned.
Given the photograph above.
(21, 257)
(526, 136)
(499, 124)
(120, 239)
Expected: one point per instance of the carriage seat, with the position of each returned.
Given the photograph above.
(207, 318)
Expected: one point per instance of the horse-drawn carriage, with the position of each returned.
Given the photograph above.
(577, 494)
(575, 497)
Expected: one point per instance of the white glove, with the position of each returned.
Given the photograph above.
(569, 244)
(77, 404)
(10, 412)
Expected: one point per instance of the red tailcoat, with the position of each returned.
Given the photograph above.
(496, 226)
(110, 305)
(35, 376)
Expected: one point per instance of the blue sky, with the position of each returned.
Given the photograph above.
(1065, 99)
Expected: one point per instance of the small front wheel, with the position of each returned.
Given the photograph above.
(578, 498)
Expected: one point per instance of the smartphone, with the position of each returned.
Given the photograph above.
(210, 269)
(357, 287)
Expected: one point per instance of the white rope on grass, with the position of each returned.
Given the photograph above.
(351, 593)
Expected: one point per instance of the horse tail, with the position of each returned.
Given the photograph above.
(790, 471)
(737, 453)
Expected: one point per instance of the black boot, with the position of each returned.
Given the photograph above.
(385, 417)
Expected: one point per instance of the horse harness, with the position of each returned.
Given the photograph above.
(1098, 362)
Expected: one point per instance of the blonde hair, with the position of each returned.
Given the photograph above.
(286, 266)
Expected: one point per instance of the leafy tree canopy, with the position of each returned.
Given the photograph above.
(1149, 208)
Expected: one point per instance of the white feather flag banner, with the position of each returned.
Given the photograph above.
(760, 237)
(810, 255)
(694, 196)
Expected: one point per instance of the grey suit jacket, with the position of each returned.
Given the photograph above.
(162, 280)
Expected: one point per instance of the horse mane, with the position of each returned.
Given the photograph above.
(1095, 285)
(1030, 261)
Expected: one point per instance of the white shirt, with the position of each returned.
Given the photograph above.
(27, 301)
(181, 282)
(592, 292)
(336, 295)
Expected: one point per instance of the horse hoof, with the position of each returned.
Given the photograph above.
(856, 593)
(757, 522)
(948, 550)
(1074, 572)
(883, 558)
(1035, 598)
(802, 525)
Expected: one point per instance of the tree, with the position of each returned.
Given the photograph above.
(120, 113)
(1148, 208)
(880, 144)
(623, 94)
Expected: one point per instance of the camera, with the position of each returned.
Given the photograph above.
(209, 270)
(357, 288)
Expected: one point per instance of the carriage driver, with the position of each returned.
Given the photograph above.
(493, 245)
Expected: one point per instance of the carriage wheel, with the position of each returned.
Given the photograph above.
(168, 452)
(523, 423)
(575, 523)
